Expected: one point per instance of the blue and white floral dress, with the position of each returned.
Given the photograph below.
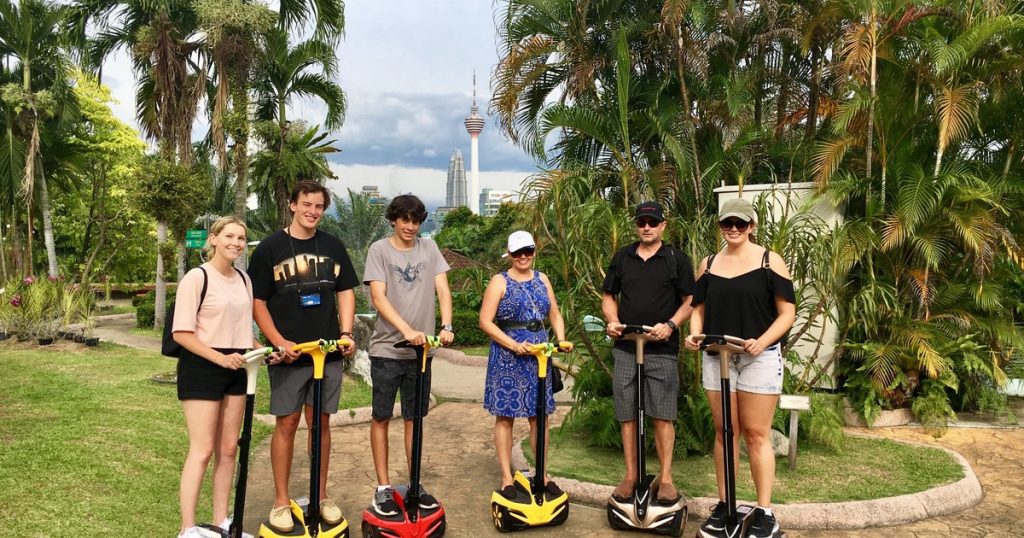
(511, 386)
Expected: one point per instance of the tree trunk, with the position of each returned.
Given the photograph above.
(240, 103)
(44, 208)
(1009, 158)
(161, 285)
(3, 251)
(871, 105)
(181, 254)
(815, 87)
(284, 213)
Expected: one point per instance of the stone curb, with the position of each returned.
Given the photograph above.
(456, 356)
(112, 317)
(345, 417)
(851, 515)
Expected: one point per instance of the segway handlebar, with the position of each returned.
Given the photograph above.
(432, 342)
(720, 342)
(318, 350)
(261, 352)
(637, 333)
(549, 348)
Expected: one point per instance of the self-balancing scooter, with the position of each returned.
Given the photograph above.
(532, 505)
(412, 521)
(308, 524)
(736, 523)
(641, 512)
(253, 360)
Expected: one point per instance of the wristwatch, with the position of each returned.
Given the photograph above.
(447, 327)
(671, 324)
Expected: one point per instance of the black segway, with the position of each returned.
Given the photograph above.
(736, 522)
(253, 360)
(533, 505)
(307, 523)
(641, 512)
(411, 520)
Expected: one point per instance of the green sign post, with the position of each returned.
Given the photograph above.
(195, 238)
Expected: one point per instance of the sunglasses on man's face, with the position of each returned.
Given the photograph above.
(524, 252)
(728, 224)
(647, 223)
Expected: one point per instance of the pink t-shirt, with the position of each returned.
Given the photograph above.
(225, 318)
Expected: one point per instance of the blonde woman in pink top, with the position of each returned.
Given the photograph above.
(213, 330)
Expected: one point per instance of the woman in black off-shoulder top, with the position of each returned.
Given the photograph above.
(745, 290)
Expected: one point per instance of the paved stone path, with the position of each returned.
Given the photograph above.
(460, 469)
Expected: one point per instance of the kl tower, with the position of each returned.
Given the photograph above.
(474, 124)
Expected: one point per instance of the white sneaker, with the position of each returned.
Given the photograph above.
(226, 524)
(191, 532)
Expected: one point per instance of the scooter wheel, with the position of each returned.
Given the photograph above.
(500, 515)
(369, 531)
(678, 523)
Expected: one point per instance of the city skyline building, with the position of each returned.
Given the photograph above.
(474, 125)
(491, 200)
(455, 191)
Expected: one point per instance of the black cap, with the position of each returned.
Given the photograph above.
(649, 209)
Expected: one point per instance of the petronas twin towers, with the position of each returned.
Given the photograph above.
(456, 186)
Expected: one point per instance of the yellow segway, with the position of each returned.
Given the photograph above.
(532, 505)
(307, 523)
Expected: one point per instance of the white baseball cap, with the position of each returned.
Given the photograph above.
(518, 240)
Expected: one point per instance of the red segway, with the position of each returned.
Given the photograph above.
(411, 520)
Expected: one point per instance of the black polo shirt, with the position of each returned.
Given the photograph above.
(647, 293)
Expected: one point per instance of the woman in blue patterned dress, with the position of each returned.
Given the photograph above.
(515, 304)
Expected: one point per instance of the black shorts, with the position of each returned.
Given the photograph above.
(390, 375)
(200, 379)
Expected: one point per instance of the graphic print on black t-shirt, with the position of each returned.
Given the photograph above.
(410, 276)
(305, 273)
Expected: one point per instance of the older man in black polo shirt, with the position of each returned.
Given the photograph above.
(648, 283)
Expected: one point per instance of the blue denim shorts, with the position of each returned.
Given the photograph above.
(758, 375)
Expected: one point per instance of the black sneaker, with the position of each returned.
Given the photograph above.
(508, 492)
(427, 501)
(384, 502)
(761, 524)
(716, 522)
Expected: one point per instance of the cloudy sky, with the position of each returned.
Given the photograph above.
(407, 69)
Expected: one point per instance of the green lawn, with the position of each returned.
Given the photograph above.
(91, 446)
(867, 469)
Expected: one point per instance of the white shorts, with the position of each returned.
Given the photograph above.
(759, 375)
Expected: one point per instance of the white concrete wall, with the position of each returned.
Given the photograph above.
(786, 199)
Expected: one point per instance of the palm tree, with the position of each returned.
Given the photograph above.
(234, 32)
(30, 34)
(161, 36)
(289, 155)
(284, 73)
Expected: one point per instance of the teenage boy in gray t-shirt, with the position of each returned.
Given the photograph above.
(404, 272)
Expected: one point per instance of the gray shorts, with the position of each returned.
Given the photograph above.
(661, 391)
(391, 375)
(291, 386)
(758, 375)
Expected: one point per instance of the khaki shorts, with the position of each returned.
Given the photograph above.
(758, 375)
(292, 386)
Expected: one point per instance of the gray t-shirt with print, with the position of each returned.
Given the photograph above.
(408, 276)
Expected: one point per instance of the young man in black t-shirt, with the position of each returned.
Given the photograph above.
(647, 283)
(302, 280)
